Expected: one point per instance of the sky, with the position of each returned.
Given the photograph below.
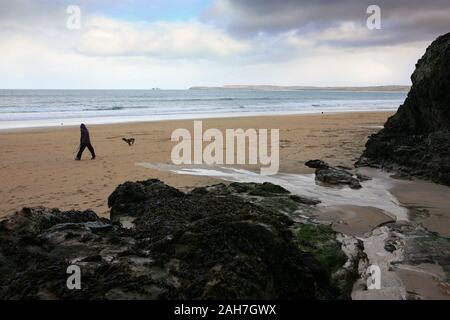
(176, 44)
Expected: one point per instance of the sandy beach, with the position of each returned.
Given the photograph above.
(38, 167)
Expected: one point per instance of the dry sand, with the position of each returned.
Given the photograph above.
(37, 165)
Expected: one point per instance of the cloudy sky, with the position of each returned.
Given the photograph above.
(182, 43)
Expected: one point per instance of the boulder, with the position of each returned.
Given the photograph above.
(333, 176)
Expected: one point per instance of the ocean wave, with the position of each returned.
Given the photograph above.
(43, 107)
(109, 108)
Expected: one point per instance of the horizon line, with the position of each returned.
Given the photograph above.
(227, 86)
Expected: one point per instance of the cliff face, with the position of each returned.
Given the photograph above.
(416, 140)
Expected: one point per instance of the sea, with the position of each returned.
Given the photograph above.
(47, 108)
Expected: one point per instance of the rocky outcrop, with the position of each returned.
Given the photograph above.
(218, 242)
(416, 140)
(333, 176)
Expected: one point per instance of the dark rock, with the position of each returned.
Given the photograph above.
(344, 168)
(209, 244)
(199, 191)
(362, 177)
(128, 197)
(416, 140)
(390, 247)
(305, 200)
(316, 164)
(265, 189)
(93, 258)
(422, 246)
(218, 189)
(333, 176)
(97, 226)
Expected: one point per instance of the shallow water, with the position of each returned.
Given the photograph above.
(374, 193)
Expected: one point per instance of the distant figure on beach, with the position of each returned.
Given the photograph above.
(85, 141)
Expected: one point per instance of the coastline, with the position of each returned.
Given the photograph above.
(38, 166)
(139, 120)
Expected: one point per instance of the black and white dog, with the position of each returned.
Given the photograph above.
(130, 141)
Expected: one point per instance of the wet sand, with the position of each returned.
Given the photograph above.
(354, 220)
(38, 168)
(429, 204)
(426, 280)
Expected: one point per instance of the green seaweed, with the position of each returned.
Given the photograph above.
(280, 204)
(320, 241)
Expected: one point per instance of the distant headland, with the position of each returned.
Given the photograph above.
(389, 88)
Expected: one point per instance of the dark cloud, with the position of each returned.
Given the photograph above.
(402, 20)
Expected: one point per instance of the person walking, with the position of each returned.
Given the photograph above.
(85, 141)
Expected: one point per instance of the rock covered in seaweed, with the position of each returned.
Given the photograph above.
(416, 140)
(219, 242)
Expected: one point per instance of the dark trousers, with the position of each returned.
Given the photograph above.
(82, 147)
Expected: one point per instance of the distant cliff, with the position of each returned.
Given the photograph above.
(416, 140)
(294, 88)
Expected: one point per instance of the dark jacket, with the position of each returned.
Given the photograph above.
(85, 139)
